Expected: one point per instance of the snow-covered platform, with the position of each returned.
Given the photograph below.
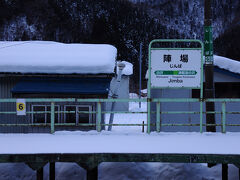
(113, 142)
(89, 149)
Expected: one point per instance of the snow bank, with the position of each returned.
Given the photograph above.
(54, 57)
(227, 64)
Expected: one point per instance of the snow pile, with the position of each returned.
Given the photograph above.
(54, 57)
(227, 64)
(128, 69)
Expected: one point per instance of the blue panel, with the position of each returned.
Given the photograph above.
(63, 86)
(224, 71)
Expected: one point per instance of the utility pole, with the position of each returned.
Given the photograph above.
(208, 52)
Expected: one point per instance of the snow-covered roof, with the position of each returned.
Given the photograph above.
(53, 57)
(128, 69)
(227, 64)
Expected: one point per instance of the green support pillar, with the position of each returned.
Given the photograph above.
(52, 117)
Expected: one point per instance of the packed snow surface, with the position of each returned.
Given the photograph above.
(54, 57)
(124, 142)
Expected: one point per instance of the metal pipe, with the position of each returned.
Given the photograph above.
(224, 117)
(121, 66)
(52, 117)
(99, 118)
(158, 117)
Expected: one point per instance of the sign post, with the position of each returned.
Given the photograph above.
(21, 107)
(175, 68)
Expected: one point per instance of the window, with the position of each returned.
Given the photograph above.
(84, 117)
(75, 117)
(42, 114)
(44, 117)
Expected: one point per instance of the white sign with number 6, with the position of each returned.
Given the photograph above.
(21, 107)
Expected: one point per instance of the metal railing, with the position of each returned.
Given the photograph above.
(99, 112)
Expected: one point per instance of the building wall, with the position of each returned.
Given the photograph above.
(173, 118)
(220, 77)
(195, 118)
(6, 84)
(123, 93)
(189, 118)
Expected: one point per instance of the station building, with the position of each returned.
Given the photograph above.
(37, 69)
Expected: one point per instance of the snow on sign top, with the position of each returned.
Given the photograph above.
(53, 57)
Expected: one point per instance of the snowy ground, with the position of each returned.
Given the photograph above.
(130, 171)
(116, 142)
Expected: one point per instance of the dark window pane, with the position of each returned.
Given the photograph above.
(83, 117)
(70, 117)
(39, 118)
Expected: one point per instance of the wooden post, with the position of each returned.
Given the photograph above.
(143, 126)
(208, 52)
(224, 171)
(92, 174)
(40, 174)
(52, 171)
(239, 173)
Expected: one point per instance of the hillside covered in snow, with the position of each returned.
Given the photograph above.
(122, 23)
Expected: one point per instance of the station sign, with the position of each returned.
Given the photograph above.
(176, 68)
